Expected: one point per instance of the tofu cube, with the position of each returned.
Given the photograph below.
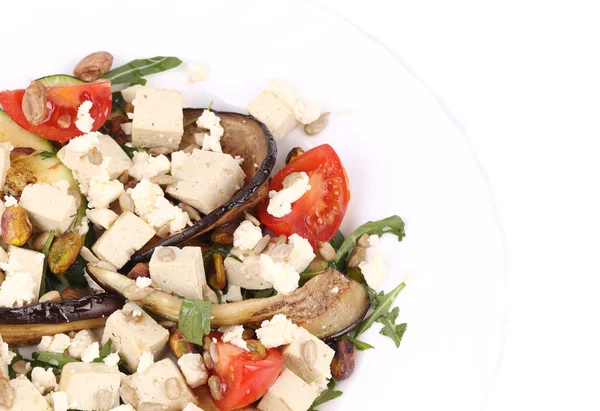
(128, 234)
(26, 397)
(157, 118)
(207, 179)
(85, 171)
(288, 393)
(84, 383)
(247, 274)
(32, 262)
(132, 338)
(150, 385)
(294, 358)
(49, 208)
(183, 275)
(278, 118)
(5, 149)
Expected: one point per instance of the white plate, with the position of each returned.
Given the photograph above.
(402, 154)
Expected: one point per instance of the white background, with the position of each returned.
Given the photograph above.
(522, 80)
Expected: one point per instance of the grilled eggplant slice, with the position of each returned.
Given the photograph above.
(245, 137)
(325, 314)
(32, 322)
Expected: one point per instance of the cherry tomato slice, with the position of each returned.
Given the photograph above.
(246, 375)
(62, 101)
(318, 214)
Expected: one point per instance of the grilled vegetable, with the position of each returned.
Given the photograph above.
(313, 306)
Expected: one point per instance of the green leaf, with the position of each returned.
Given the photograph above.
(269, 292)
(132, 72)
(194, 319)
(90, 237)
(45, 251)
(130, 151)
(46, 154)
(390, 328)
(104, 351)
(224, 253)
(305, 277)
(53, 359)
(393, 225)
(381, 304)
(117, 100)
(337, 240)
(329, 394)
(360, 345)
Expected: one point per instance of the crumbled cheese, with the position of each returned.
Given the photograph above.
(239, 159)
(6, 355)
(81, 145)
(373, 269)
(136, 313)
(373, 240)
(127, 128)
(233, 294)
(58, 343)
(143, 282)
(284, 91)
(320, 385)
(102, 217)
(102, 190)
(192, 407)
(10, 201)
(84, 121)
(335, 290)
(91, 352)
(307, 111)
(60, 401)
(112, 359)
(146, 361)
(62, 185)
(152, 207)
(83, 227)
(193, 369)
(18, 286)
(199, 138)
(197, 71)
(294, 187)
(284, 277)
(130, 115)
(80, 342)
(276, 332)
(210, 121)
(246, 236)
(123, 407)
(147, 166)
(301, 253)
(233, 335)
(43, 380)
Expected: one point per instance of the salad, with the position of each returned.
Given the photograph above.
(155, 260)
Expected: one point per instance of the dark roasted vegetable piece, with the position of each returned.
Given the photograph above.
(343, 362)
(244, 136)
(30, 323)
(325, 314)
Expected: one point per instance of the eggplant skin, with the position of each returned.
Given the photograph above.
(66, 311)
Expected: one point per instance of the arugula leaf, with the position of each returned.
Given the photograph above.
(393, 225)
(132, 72)
(381, 304)
(305, 277)
(269, 292)
(224, 253)
(53, 359)
(390, 328)
(46, 154)
(329, 394)
(194, 319)
(45, 251)
(104, 351)
(117, 100)
(360, 345)
(337, 240)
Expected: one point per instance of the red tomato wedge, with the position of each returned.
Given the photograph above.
(246, 375)
(318, 214)
(62, 100)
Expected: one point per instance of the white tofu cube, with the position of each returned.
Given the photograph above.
(288, 393)
(80, 164)
(278, 118)
(247, 274)
(32, 262)
(207, 179)
(128, 234)
(26, 397)
(49, 208)
(178, 270)
(5, 149)
(294, 358)
(86, 383)
(150, 385)
(134, 336)
(158, 118)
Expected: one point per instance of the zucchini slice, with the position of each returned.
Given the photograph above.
(59, 80)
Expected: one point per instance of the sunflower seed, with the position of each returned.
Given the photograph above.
(252, 219)
(326, 250)
(191, 211)
(164, 180)
(357, 256)
(166, 254)
(52, 296)
(309, 354)
(126, 203)
(262, 244)
(173, 388)
(214, 384)
(95, 156)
